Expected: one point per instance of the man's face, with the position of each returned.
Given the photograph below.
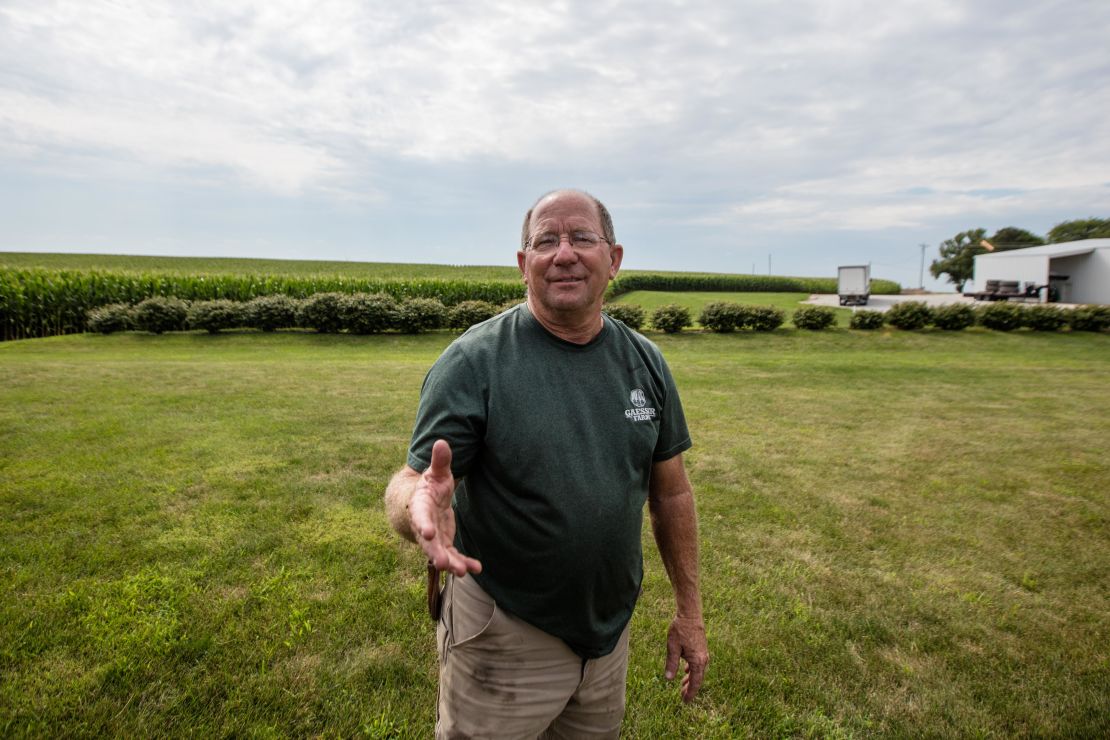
(564, 281)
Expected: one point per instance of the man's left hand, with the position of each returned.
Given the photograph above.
(686, 640)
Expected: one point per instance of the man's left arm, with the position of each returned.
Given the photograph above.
(675, 525)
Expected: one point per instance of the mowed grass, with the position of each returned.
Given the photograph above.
(696, 301)
(902, 534)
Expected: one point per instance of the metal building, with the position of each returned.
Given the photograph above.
(1079, 272)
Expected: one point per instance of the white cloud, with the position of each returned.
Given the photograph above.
(861, 115)
(181, 140)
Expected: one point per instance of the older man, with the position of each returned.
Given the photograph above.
(550, 425)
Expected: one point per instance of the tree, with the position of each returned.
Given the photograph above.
(957, 257)
(1011, 237)
(1084, 228)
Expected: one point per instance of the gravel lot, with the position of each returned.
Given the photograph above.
(884, 302)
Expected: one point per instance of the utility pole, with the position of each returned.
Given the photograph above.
(768, 264)
(922, 275)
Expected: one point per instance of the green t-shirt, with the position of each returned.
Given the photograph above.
(554, 443)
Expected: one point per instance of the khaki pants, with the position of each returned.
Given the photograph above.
(501, 677)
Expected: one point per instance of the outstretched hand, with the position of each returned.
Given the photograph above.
(686, 640)
(433, 519)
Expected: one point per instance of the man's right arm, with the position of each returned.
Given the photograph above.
(419, 509)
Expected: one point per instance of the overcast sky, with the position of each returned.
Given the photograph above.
(721, 135)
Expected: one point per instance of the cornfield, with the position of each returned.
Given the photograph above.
(43, 302)
(39, 302)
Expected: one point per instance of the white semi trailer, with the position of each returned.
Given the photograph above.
(853, 284)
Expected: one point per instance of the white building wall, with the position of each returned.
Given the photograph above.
(1086, 263)
(1032, 268)
(1088, 276)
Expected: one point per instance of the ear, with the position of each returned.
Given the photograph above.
(616, 254)
(520, 258)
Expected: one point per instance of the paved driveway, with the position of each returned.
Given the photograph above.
(884, 302)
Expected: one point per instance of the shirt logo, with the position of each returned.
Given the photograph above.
(641, 412)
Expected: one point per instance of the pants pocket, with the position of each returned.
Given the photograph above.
(469, 613)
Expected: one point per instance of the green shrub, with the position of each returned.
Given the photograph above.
(1004, 316)
(630, 314)
(1044, 317)
(270, 312)
(722, 316)
(762, 318)
(37, 302)
(110, 318)
(421, 314)
(511, 303)
(869, 320)
(814, 318)
(370, 313)
(954, 317)
(321, 311)
(909, 315)
(468, 313)
(212, 316)
(670, 318)
(1089, 318)
(159, 314)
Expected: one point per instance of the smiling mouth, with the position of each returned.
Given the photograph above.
(569, 279)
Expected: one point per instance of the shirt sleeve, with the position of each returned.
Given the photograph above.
(674, 436)
(452, 407)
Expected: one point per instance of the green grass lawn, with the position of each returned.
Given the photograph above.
(903, 534)
(695, 301)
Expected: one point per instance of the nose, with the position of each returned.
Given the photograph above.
(565, 255)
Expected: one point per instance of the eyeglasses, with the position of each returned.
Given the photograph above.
(580, 241)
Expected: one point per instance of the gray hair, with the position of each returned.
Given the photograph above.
(602, 212)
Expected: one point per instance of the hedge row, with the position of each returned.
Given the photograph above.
(36, 302)
(685, 282)
(40, 302)
(354, 313)
(719, 316)
(913, 315)
(374, 313)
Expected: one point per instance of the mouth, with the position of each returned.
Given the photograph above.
(568, 279)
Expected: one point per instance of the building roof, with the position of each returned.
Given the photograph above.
(1063, 249)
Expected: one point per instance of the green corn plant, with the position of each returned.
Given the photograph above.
(36, 302)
